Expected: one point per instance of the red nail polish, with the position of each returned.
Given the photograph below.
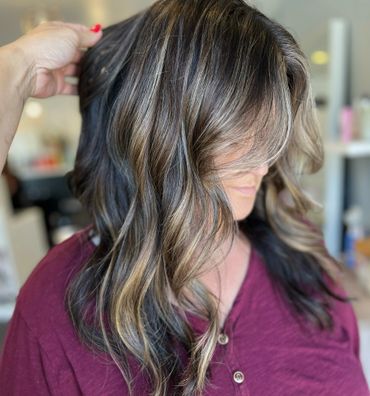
(96, 28)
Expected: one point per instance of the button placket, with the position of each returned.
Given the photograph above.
(238, 377)
(223, 338)
(237, 373)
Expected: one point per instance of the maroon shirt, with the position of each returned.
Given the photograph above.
(261, 352)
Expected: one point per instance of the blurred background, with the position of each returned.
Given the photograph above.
(38, 211)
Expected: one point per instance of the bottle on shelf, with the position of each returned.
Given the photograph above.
(346, 124)
(355, 230)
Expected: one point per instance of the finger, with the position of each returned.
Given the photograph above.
(77, 26)
(62, 85)
(87, 37)
(74, 26)
(78, 56)
(69, 89)
(72, 70)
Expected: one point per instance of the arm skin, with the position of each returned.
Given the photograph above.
(15, 79)
(35, 65)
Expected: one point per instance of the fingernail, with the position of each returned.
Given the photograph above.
(96, 28)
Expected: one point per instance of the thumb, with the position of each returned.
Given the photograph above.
(87, 37)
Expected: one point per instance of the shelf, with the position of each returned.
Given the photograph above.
(353, 149)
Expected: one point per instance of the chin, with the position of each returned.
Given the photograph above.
(241, 213)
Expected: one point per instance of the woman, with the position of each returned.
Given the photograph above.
(200, 273)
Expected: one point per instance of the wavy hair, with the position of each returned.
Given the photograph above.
(163, 94)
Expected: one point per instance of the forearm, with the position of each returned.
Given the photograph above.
(14, 81)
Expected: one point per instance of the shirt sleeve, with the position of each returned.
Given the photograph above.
(24, 367)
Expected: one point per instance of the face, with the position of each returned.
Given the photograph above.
(242, 189)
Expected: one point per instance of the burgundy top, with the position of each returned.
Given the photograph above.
(262, 350)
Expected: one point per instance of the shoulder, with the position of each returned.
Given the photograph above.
(41, 298)
(343, 312)
(40, 330)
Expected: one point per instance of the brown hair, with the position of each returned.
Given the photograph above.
(162, 95)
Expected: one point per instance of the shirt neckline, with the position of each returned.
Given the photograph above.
(198, 323)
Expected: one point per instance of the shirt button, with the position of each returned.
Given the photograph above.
(223, 339)
(238, 377)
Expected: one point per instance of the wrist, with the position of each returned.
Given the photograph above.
(19, 70)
